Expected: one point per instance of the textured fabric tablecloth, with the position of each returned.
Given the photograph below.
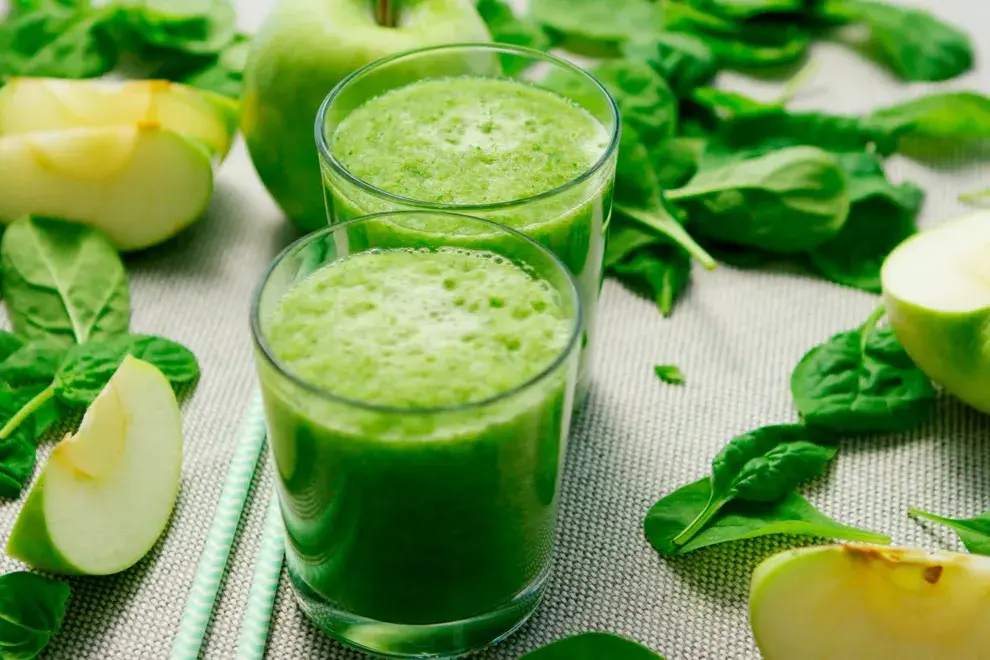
(736, 335)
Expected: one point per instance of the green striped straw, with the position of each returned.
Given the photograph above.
(213, 563)
(264, 585)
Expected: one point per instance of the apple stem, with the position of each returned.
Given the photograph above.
(28, 409)
(384, 14)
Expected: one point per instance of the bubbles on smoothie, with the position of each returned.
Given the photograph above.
(420, 327)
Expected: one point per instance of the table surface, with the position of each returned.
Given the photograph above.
(736, 335)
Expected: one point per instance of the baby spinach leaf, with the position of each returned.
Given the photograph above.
(765, 128)
(940, 116)
(861, 381)
(62, 281)
(675, 161)
(881, 216)
(762, 466)
(88, 367)
(746, 9)
(786, 201)
(32, 608)
(792, 515)
(682, 59)
(9, 342)
(973, 532)
(669, 374)
(201, 28)
(648, 264)
(748, 44)
(595, 21)
(17, 448)
(56, 39)
(645, 100)
(506, 27)
(725, 103)
(912, 43)
(222, 73)
(592, 646)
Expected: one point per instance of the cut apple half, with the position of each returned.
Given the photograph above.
(31, 105)
(858, 602)
(139, 184)
(106, 493)
(936, 286)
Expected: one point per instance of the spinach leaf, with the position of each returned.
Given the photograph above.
(205, 27)
(645, 100)
(669, 374)
(9, 342)
(222, 73)
(746, 9)
(791, 515)
(761, 129)
(54, 39)
(683, 60)
(661, 271)
(725, 103)
(762, 466)
(88, 367)
(675, 161)
(594, 21)
(973, 532)
(881, 216)
(506, 27)
(62, 281)
(912, 43)
(592, 646)
(786, 201)
(26, 376)
(861, 381)
(940, 116)
(17, 447)
(748, 44)
(32, 608)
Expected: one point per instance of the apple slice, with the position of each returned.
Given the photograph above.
(138, 184)
(105, 495)
(936, 286)
(859, 602)
(30, 105)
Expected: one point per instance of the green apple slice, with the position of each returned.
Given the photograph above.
(106, 493)
(138, 184)
(936, 286)
(30, 105)
(858, 602)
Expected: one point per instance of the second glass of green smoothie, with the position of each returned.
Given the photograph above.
(509, 134)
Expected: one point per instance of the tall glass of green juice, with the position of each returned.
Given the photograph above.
(505, 133)
(418, 371)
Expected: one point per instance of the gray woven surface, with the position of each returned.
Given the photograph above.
(736, 336)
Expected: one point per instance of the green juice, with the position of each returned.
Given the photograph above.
(482, 144)
(403, 503)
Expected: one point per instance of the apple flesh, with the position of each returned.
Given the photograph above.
(106, 494)
(303, 50)
(936, 286)
(139, 184)
(29, 105)
(858, 602)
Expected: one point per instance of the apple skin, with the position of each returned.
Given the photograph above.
(952, 346)
(303, 50)
(29, 540)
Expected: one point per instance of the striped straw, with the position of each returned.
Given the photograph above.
(264, 585)
(213, 563)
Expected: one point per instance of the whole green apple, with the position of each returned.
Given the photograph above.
(303, 50)
(936, 286)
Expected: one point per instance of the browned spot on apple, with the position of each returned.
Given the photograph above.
(932, 574)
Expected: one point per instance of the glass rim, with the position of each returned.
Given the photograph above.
(262, 345)
(326, 155)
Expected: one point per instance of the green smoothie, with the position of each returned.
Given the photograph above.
(481, 142)
(399, 506)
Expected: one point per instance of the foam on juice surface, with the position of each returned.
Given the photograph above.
(469, 140)
(419, 328)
